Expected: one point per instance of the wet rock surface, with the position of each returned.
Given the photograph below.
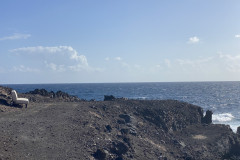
(54, 128)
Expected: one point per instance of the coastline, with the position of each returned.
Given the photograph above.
(66, 128)
(219, 97)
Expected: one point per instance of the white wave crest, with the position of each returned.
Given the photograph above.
(223, 117)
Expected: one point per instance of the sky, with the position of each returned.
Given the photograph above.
(92, 41)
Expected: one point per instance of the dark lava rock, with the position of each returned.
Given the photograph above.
(119, 148)
(42, 92)
(124, 131)
(58, 95)
(119, 158)
(77, 126)
(238, 130)
(126, 117)
(207, 119)
(127, 140)
(121, 121)
(5, 96)
(109, 128)
(161, 114)
(4, 102)
(109, 98)
(100, 154)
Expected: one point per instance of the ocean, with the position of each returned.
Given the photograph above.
(223, 98)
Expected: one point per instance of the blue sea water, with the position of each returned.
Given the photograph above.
(223, 98)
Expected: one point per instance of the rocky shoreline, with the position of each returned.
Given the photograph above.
(61, 126)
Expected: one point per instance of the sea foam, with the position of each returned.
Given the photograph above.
(222, 117)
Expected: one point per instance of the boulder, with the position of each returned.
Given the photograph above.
(109, 128)
(5, 96)
(100, 154)
(42, 92)
(238, 130)
(59, 95)
(207, 119)
(126, 117)
(109, 98)
(119, 148)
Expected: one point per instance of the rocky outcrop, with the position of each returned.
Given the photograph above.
(162, 116)
(207, 119)
(112, 98)
(109, 98)
(5, 96)
(238, 131)
(59, 95)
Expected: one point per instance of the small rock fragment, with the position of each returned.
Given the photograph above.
(109, 128)
(126, 117)
(100, 154)
(119, 148)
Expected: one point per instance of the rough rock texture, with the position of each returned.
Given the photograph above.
(113, 130)
(109, 98)
(50, 96)
(238, 130)
(207, 119)
(5, 96)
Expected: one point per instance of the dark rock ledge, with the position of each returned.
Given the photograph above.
(59, 95)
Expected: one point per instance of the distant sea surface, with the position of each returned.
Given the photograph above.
(223, 98)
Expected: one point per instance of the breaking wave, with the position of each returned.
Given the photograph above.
(222, 117)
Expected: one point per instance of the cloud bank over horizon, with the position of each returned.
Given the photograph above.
(64, 59)
(57, 58)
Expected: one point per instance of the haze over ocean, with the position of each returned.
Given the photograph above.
(223, 98)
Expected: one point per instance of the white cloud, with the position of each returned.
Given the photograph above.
(124, 64)
(39, 49)
(61, 50)
(194, 63)
(16, 36)
(58, 58)
(55, 67)
(107, 59)
(155, 69)
(193, 40)
(22, 68)
(231, 62)
(118, 58)
(237, 36)
(168, 63)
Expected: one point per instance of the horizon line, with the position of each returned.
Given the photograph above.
(112, 82)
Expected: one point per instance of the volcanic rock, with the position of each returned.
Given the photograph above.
(207, 119)
(238, 130)
(109, 98)
(100, 154)
(58, 128)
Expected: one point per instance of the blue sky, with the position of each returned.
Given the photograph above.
(79, 41)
